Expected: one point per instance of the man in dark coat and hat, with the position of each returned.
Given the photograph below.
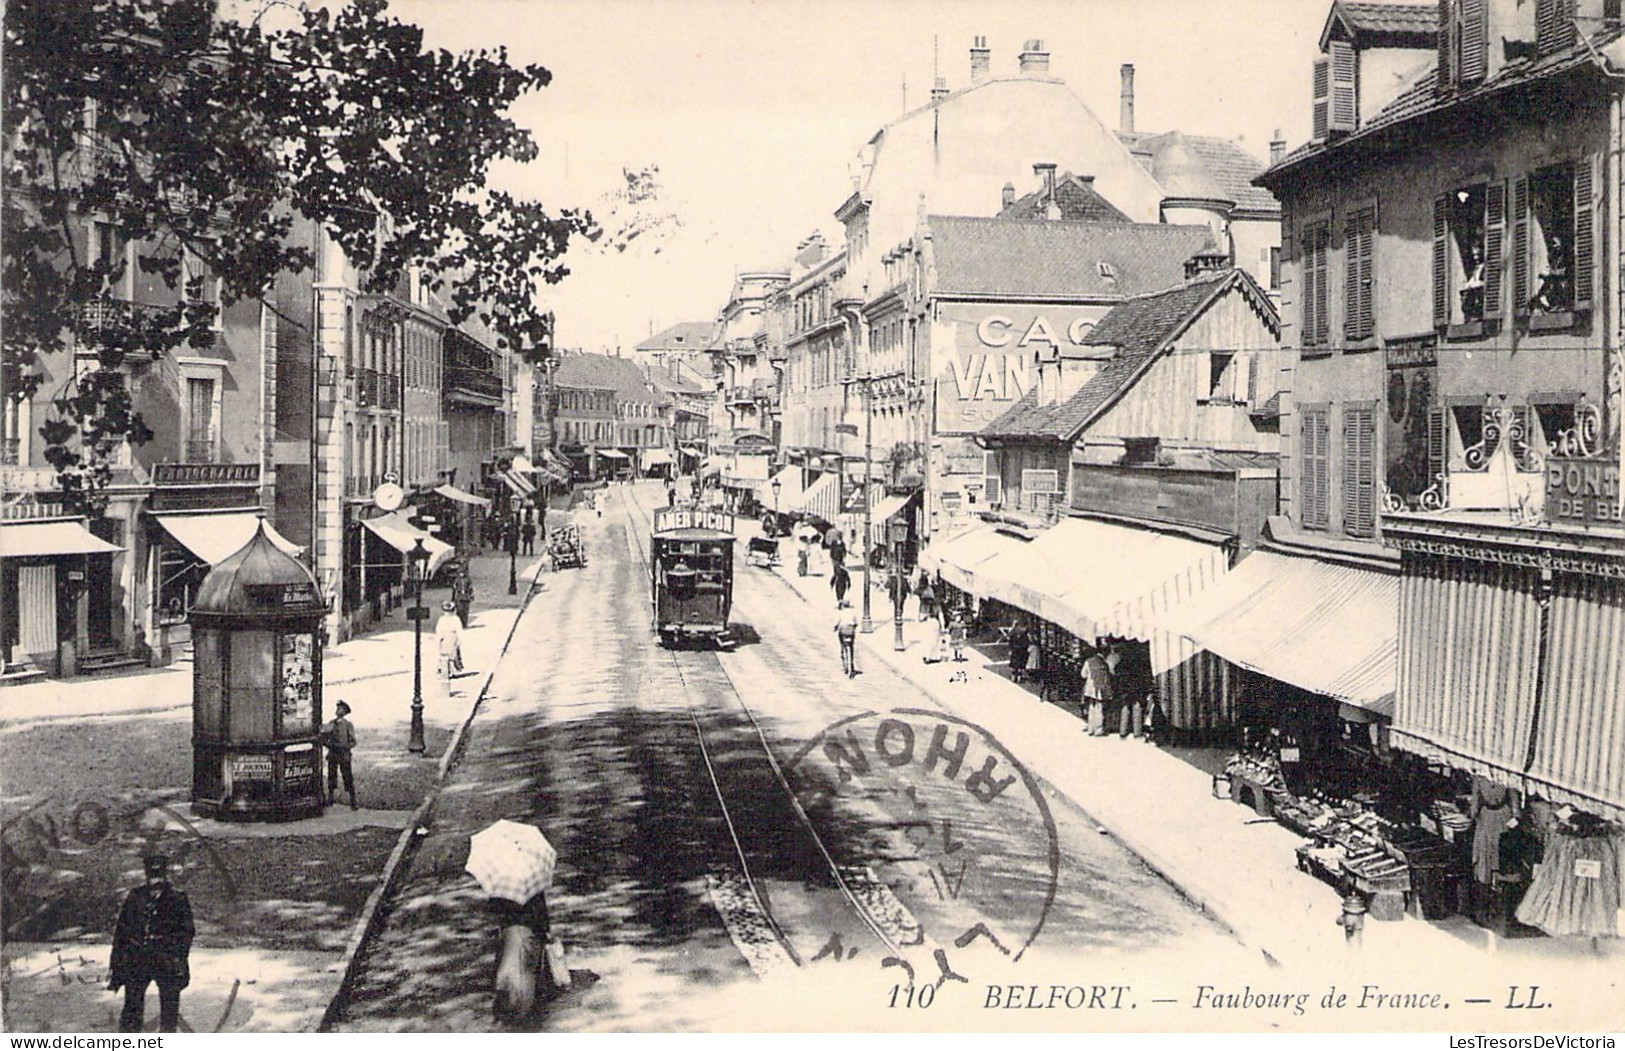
(151, 944)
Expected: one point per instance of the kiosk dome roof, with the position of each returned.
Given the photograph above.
(247, 581)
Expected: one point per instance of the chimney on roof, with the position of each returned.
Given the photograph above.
(1277, 148)
(981, 59)
(1008, 194)
(939, 90)
(1034, 59)
(1045, 170)
(1125, 105)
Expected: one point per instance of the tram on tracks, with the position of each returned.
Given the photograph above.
(691, 573)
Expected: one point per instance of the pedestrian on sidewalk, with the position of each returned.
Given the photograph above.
(1134, 685)
(803, 553)
(152, 943)
(846, 629)
(448, 633)
(338, 736)
(840, 580)
(928, 595)
(527, 534)
(1020, 643)
(938, 651)
(1097, 692)
(837, 548)
(462, 592)
(956, 635)
(671, 494)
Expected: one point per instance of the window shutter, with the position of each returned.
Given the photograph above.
(992, 488)
(1447, 53)
(1322, 97)
(1438, 435)
(1495, 202)
(1313, 481)
(1351, 284)
(1368, 277)
(1520, 246)
(1358, 472)
(1322, 237)
(1554, 25)
(1311, 288)
(1345, 110)
(1474, 49)
(1585, 241)
(1441, 260)
(1241, 370)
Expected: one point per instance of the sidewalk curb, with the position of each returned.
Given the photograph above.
(366, 924)
(1191, 892)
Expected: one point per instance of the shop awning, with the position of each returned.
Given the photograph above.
(885, 508)
(691, 450)
(789, 480)
(216, 536)
(451, 492)
(1113, 580)
(400, 534)
(710, 469)
(41, 539)
(655, 458)
(959, 558)
(517, 483)
(1327, 627)
(822, 498)
(613, 454)
(554, 467)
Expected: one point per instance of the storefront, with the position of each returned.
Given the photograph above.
(183, 547)
(460, 514)
(43, 573)
(1511, 693)
(657, 463)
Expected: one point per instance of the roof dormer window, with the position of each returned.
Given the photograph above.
(1336, 85)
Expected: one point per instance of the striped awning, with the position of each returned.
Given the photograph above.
(655, 458)
(959, 558)
(518, 483)
(1468, 682)
(451, 492)
(822, 498)
(789, 482)
(1328, 627)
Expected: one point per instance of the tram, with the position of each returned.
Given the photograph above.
(691, 571)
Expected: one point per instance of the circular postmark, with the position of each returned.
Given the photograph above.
(961, 829)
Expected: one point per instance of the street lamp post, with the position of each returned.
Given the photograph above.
(418, 559)
(513, 554)
(899, 534)
(868, 454)
(777, 485)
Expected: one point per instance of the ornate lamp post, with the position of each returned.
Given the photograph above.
(777, 485)
(899, 535)
(418, 560)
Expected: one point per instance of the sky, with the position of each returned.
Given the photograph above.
(755, 111)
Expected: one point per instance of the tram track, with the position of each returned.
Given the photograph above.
(783, 864)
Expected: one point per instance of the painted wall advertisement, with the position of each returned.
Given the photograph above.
(985, 355)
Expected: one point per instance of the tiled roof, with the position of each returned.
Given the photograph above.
(1401, 19)
(1041, 257)
(683, 336)
(603, 372)
(1078, 199)
(676, 381)
(1175, 157)
(1422, 98)
(1138, 328)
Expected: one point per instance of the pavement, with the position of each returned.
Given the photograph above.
(97, 769)
(1238, 867)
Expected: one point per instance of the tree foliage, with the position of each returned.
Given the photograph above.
(200, 137)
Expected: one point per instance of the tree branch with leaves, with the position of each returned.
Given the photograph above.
(198, 136)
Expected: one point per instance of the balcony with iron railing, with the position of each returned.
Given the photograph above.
(471, 385)
(366, 388)
(110, 314)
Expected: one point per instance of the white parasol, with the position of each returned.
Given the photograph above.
(511, 861)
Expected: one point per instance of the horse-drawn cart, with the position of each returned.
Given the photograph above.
(762, 552)
(564, 549)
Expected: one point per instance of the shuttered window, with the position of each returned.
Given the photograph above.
(1438, 439)
(1359, 307)
(1316, 327)
(1359, 471)
(1554, 245)
(1315, 480)
(1473, 40)
(1322, 94)
(1345, 111)
(1495, 217)
(1554, 25)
